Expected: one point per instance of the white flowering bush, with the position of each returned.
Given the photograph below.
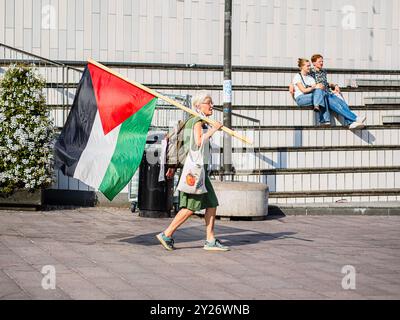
(26, 132)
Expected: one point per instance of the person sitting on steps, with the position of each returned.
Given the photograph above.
(309, 94)
(336, 102)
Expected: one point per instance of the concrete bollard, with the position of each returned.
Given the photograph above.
(241, 199)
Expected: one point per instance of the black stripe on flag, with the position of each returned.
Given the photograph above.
(76, 131)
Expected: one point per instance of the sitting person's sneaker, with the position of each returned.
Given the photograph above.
(357, 125)
(167, 242)
(215, 245)
(325, 124)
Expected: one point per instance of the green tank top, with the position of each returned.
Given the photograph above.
(187, 134)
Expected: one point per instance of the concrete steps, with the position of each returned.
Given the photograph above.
(337, 208)
(392, 119)
(387, 100)
(268, 116)
(375, 83)
(316, 157)
(311, 136)
(306, 167)
(321, 179)
(333, 196)
(258, 97)
(290, 117)
(305, 164)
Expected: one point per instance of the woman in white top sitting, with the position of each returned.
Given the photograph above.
(309, 94)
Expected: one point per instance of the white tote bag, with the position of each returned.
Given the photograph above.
(193, 175)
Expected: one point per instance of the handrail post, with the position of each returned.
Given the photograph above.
(63, 94)
(227, 111)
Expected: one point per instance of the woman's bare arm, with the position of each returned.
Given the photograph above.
(198, 132)
(304, 89)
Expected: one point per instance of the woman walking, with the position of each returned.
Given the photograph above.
(189, 203)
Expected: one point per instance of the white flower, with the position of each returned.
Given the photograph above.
(21, 131)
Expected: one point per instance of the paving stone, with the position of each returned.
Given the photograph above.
(143, 279)
(16, 296)
(109, 253)
(167, 292)
(112, 284)
(297, 294)
(132, 294)
(196, 284)
(10, 288)
(38, 293)
(81, 289)
(10, 259)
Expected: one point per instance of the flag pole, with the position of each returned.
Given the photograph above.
(169, 100)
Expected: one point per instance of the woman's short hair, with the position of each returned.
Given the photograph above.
(199, 98)
(315, 57)
(301, 62)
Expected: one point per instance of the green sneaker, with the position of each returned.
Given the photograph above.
(215, 245)
(167, 242)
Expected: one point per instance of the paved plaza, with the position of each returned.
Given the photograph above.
(107, 253)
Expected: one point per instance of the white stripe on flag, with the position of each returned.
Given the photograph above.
(97, 155)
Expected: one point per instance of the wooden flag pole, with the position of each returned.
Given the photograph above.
(169, 100)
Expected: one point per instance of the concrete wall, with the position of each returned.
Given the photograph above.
(350, 33)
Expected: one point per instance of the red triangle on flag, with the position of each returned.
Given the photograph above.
(117, 100)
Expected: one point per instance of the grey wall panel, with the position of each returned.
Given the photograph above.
(2, 17)
(265, 32)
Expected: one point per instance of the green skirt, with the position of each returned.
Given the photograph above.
(197, 202)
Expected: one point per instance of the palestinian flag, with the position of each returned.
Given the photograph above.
(103, 139)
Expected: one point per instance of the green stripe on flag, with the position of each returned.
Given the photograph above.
(128, 151)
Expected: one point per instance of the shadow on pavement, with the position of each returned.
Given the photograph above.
(228, 235)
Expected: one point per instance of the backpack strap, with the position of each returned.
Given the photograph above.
(302, 79)
(181, 125)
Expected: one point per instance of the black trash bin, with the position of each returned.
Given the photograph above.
(155, 199)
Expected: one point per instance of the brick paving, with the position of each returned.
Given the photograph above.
(106, 253)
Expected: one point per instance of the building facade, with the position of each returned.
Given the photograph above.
(349, 33)
(299, 161)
